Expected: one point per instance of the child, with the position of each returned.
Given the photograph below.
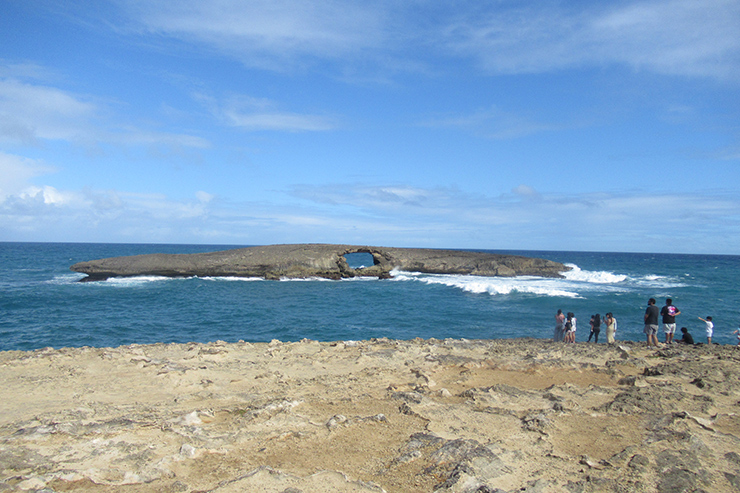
(710, 328)
(686, 339)
(572, 327)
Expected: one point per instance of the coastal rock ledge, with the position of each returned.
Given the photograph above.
(378, 416)
(317, 260)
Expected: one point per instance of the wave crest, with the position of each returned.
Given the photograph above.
(492, 285)
(598, 277)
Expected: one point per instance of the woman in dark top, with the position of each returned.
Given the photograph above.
(595, 328)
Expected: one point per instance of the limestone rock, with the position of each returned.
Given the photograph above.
(317, 260)
(286, 417)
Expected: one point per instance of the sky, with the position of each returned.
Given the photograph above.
(516, 125)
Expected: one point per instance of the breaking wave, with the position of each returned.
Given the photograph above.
(575, 283)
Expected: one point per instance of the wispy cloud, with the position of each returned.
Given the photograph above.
(677, 37)
(493, 123)
(16, 173)
(254, 114)
(31, 113)
(266, 33)
(542, 220)
(107, 215)
(397, 215)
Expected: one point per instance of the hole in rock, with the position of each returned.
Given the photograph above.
(359, 260)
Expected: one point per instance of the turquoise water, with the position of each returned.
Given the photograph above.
(42, 304)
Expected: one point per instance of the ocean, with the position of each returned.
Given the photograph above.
(42, 304)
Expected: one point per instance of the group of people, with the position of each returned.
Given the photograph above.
(565, 327)
(668, 314)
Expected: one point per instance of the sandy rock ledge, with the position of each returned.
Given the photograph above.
(371, 416)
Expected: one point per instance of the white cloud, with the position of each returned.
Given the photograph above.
(493, 123)
(265, 33)
(31, 113)
(254, 114)
(276, 121)
(394, 215)
(16, 173)
(526, 191)
(602, 222)
(204, 197)
(678, 37)
(374, 198)
(51, 196)
(44, 213)
(132, 135)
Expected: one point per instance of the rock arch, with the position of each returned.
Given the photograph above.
(317, 260)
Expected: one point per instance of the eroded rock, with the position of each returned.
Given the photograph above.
(317, 260)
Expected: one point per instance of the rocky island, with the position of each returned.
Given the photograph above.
(456, 416)
(317, 260)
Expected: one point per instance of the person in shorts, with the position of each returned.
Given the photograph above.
(669, 312)
(572, 327)
(651, 323)
(710, 328)
(559, 327)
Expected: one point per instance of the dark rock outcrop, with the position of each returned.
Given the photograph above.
(317, 260)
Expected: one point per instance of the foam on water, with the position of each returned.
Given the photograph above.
(575, 283)
(597, 277)
(66, 278)
(658, 282)
(492, 285)
(231, 278)
(135, 281)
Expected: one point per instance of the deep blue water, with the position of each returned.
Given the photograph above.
(42, 304)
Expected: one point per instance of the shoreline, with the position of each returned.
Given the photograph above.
(373, 340)
(380, 415)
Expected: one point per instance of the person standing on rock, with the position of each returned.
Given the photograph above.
(651, 323)
(559, 326)
(710, 328)
(669, 312)
(595, 328)
(570, 328)
(611, 328)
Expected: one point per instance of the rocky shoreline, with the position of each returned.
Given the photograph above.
(371, 416)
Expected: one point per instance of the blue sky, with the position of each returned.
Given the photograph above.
(553, 125)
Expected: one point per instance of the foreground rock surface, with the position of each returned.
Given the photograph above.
(317, 260)
(371, 416)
